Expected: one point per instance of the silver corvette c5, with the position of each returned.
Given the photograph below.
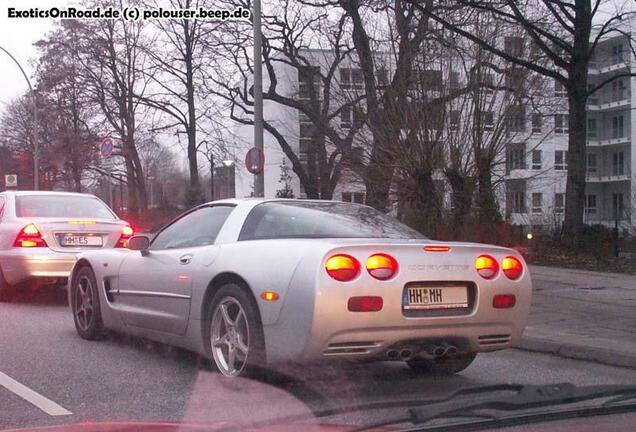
(250, 283)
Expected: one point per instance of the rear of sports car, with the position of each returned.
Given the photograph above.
(405, 300)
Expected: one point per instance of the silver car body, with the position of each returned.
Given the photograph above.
(19, 264)
(163, 295)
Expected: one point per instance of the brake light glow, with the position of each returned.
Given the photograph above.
(486, 266)
(382, 266)
(436, 248)
(504, 301)
(29, 236)
(512, 267)
(126, 233)
(342, 268)
(365, 304)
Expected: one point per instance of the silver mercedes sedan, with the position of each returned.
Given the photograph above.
(42, 232)
(251, 283)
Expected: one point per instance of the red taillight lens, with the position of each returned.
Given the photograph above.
(382, 266)
(365, 304)
(486, 266)
(126, 233)
(504, 301)
(342, 268)
(512, 267)
(29, 236)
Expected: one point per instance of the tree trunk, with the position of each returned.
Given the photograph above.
(486, 200)
(461, 197)
(577, 138)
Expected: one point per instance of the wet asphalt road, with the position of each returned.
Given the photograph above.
(122, 378)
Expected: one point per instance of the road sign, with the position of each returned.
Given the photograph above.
(10, 180)
(106, 147)
(254, 160)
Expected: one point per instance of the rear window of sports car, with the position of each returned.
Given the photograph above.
(275, 220)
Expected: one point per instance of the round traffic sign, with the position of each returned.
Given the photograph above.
(254, 160)
(106, 147)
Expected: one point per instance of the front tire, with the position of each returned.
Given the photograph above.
(85, 305)
(442, 365)
(235, 333)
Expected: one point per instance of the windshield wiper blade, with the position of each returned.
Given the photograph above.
(527, 397)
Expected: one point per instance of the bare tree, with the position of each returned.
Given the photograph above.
(563, 32)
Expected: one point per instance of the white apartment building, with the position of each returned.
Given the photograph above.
(532, 175)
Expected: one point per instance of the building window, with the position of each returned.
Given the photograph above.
(454, 120)
(618, 163)
(591, 128)
(537, 122)
(518, 202)
(536, 159)
(618, 90)
(590, 204)
(351, 79)
(560, 160)
(345, 117)
(486, 83)
(618, 126)
(516, 157)
(355, 197)
(561, 123)
(516, 119)
(513, 46)
(559, 89)
(308, 77)
(431, 79)
(515, 79)
(559, 202)
(487, 120)
(618, 206)
(591, 163)
(453, 80)
(537, 203)
(383, 76)
(617, 54)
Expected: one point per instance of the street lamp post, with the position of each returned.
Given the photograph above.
(259, 179)
(36, 149)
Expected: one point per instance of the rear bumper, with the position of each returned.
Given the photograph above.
(22, 265)
(333, 332)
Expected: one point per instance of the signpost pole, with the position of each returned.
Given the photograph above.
(259, 179)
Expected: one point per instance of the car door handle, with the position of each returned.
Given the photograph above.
(185, 259)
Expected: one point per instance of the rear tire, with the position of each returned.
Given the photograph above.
(234, 333)
(7, 292)
(85, 305)
(442, 365)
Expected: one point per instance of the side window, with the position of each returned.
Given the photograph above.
(198, 228)
(2, 201)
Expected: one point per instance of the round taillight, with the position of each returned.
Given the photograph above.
(382, 266)
(486, 266)
(512, 267)
(342, 268)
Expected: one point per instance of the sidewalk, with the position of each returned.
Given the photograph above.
(583, 315)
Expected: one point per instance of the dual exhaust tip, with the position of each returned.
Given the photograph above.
(408, 353)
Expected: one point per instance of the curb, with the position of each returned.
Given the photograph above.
(578, 352)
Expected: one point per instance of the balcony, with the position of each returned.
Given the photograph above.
(598, 178)
(601, 68)
(593, 142)
(594, 105)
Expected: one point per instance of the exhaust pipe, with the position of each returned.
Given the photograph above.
(406, 354)
(439, 351)
(392, 354)
(451, 351)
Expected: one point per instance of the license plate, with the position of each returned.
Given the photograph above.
(80, 240)
(435, 297)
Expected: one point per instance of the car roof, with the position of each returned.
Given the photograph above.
(56, 193)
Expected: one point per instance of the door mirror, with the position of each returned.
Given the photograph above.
(139, 243)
